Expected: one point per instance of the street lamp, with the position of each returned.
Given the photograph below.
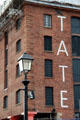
(25, 62)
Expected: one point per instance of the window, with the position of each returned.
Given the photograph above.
(76, 96)
(6, 57)
(6, 61)
(77, 115)
(17, 71)
(49, 95)
(76, 70)
(6, 79)
(47, 21)
(18, 46)
(18, 24)
(6, 38)
(48, 68)
(75, 22)
(5, 101)
(75, 46)
(18, 97)
(48, 43)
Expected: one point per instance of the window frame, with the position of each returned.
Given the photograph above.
(47, 24)
(17, 71)
(18, 97)
(72, 23)
(48, 40)
(18, 23)
(6, 79)
(5, 105)
(6, 38)
(75, 45)
(77, 103)
(47, 71)
(6, 57)
(75, 74)
(18, 46)
(46, 97)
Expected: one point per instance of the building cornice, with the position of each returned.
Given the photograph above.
(54, 4)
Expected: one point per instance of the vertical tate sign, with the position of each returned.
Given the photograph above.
(62, 49)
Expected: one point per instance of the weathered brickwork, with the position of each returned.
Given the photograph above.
(32, 34)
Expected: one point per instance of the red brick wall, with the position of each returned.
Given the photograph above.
(36, 34)
(32, 41)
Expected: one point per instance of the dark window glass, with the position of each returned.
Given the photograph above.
(47, 21)
(49, 95)
(5, 101)
(76, 70)
(6, 38)
(18, 24)
(18, 97)
(48, 68)
(6, 79)
(76, 96)
(75, 46)
(48, 43)
(6, 57)
(77, 115)
(17, 71)
(75, 22)
(18, 46)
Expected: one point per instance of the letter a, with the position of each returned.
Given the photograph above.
(64, 50)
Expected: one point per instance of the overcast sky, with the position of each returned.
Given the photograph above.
(68, 1)
(77, 2)
(1, 1)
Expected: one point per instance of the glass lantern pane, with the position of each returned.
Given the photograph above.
(27, 64)
(21, 65)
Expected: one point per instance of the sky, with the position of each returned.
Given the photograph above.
(68, 1)
(1, 1)
(77, 2)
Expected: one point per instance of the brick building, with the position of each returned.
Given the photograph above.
(50, 33)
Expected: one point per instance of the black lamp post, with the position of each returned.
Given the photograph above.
(25, 62)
